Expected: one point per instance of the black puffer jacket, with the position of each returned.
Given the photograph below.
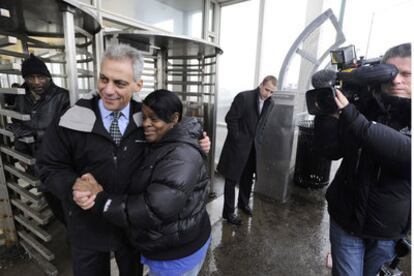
(50, 105)
(165, 211)
(370, 196)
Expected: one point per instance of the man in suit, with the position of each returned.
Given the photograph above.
(238, 158)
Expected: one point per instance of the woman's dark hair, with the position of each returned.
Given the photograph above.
(164, 103)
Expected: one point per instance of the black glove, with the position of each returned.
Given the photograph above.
(19, 130)
(114, 210)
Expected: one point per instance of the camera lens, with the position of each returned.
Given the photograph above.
(325, 101)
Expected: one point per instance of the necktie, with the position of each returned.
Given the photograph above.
(114, 128)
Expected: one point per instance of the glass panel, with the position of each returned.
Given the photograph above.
(282, 24)
(211, 17)
(238, 38)
(88, 2)
(381, 24)
(179, 17)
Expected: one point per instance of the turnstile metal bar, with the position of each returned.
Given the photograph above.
(24, 193)
(46, 266)
(12, 91)
(183, 70)
(82, 51)
(84, 33)
(192, 75)
(35, 215)
(148, 86)
(197, 94)
(27, 159)
(46, 46)
(10, 68)
(192, 64)
(40, 248)
(85, 72)
(85, 60)
(10, 134)
(25, 176)
(190, 57)
(15, 115)
(12, 53)
(34, 228)
(189, 83)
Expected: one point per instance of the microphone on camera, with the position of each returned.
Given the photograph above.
(367, 75)
(324, 78)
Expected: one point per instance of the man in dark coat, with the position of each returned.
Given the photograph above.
(238, 158)
(80, 141)
(43, 101)
(369, 200)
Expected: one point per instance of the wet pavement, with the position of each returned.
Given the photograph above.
(280, 239)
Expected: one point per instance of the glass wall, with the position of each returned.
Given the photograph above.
(178, 17)
(238, 39)
(282, 24)
(373, 26)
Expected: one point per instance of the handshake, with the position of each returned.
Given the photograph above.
(85, 190)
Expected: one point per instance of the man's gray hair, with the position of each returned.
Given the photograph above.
(402, 51)
(124, 51)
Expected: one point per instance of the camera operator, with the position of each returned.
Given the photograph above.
(369, 200)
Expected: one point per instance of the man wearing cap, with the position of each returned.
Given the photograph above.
(43, 101)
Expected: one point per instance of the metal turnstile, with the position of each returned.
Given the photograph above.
(62, 35)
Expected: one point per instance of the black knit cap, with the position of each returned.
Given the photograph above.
(34, 65)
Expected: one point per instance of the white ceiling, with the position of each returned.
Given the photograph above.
(191, 5)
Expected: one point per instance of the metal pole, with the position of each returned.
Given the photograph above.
(369, 34)
(259, 43)
(6, 214)
(70, 51)
(99, 44)
(341, 14)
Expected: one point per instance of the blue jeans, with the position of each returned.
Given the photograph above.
(193, 272)
(353, 256)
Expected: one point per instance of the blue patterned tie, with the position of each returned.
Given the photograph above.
(114, 128)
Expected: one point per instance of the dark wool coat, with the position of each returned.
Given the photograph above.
(370, 195)
(78, 143)
(242, 120)
(165, 210)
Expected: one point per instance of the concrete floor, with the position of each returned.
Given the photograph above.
(280, 239)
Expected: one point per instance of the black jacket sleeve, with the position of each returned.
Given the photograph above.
(174, 179)
(234, 115)
(388, 147)
(327, 138)
(55, 162)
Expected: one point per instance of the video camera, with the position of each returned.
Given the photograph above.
(402, 249)
(357, 79)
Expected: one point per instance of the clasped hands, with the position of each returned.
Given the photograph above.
(85, 190)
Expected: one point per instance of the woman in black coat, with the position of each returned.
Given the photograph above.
(164, 212)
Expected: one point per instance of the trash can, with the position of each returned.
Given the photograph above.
(311, 169)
